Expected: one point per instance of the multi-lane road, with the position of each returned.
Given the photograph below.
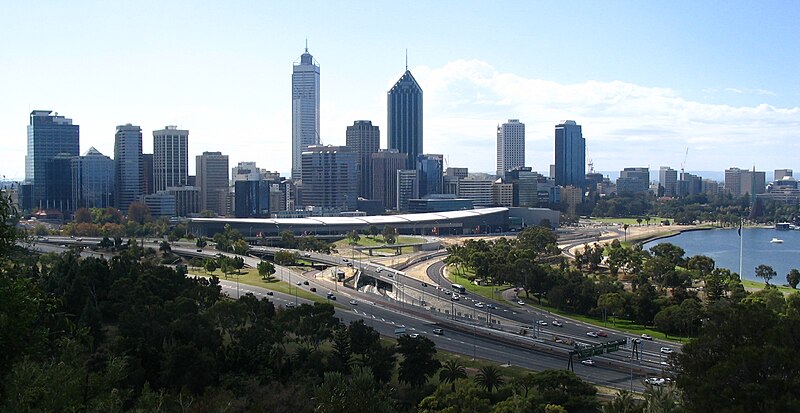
(419, 308)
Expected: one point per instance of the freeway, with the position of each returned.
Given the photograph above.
(466, 333)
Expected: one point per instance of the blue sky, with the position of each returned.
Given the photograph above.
(646, 80)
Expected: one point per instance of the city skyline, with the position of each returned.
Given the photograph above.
(712, 88)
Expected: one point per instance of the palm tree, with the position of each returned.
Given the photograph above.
(662, 399)
(451, 372)
(623, 403)
(625, 227)
(489, 378)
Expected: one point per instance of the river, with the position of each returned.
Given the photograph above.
(722, 245)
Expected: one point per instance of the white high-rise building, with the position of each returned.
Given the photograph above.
(510, 146)
(170, 158)
(305, 109)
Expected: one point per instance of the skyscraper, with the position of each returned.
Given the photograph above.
(668, 179)
(170, 157)
(510, 146)
(364, 139)
(404, 107)
(385, 164)
(128, 165)
(329, 177)
(430, 168)
(92, 180)
(407, 187)
(570, 165)
(212, 178)
(48, 135)
(305, 109)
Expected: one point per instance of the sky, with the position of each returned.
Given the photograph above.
(713, 84)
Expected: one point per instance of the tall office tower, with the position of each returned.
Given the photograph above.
(633, 180)
(128, 166)
(510, 146)
(92, 180)
(710, 187)
(733, 181)
(385, 164)
(430, 174)
(48, 136)
(329, 177)
(668, 179)
(407, 187)
(251, 199)
(364, 139)
(689, 184)
(147, 174)
(404, 107)
(753, 183)
(187, 200)
(502, 193)
(59, 182)
(170, 157)
(570, 154)
(305, 109)
(212, 178)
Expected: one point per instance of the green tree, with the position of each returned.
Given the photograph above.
(765, 272)
(240, 247)
(83, 216)
(165, 248)
(452, 371)
(612, 303)
(353, 237)
(359, 393)
(389, 235)
(138, 213)
(793, 277)
(284, 257)
(373, 231)
(210, 265)
(419, 362)
(623, 402)
(489, 378)
(266, 270)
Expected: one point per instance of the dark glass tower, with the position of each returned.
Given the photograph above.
(405, 118)
(49, 135)
(364, 139)
(570, 154)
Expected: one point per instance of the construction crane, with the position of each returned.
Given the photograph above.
(683, 164)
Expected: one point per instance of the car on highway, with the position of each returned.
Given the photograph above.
(592, 334)
(313, 289)
(413, 335)
(289, 305)
(299, 283)
(199, 250)
(647, 337)
(655, 381)
(307, 254)
(602, 334)
(446, 292)
(379, 270)
(305, 282)
(478, 305)
(353, 302)
(438, 331)
(269, 292)
(557, 323)
(424, 284)
(520, 302)
(492, 306)
(588, 362)
(345, 260)
(542, 322)
(666, 350)
(330, 296)
(455, 297)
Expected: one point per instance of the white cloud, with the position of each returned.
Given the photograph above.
(465, 99)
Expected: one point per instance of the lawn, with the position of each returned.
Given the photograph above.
(621, 324)
(755, 285)
(487, 291)
(250, 276)
(629, 221)
(367, 241)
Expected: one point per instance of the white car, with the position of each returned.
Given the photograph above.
(438, 331)
(557, 323)
(520, 302)
(455, 297)
(655, 381)
(592, 334)
(647, 337)
(587, 362)
(666, 350)
(353, 302)
(542, 322)
(413, 335)
(478, 305)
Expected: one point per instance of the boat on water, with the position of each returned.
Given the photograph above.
(776, 241)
